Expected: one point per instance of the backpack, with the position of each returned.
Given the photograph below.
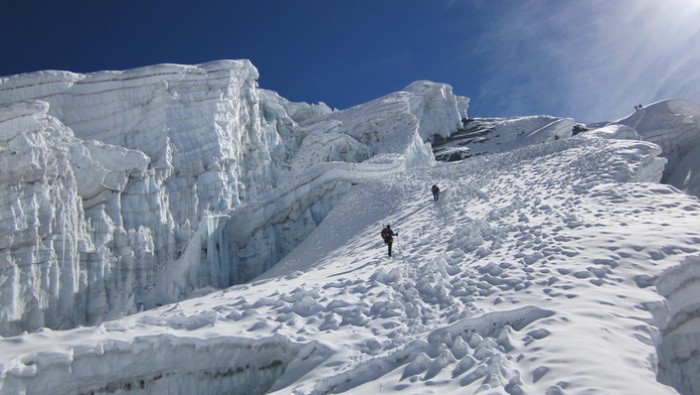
(386, 235)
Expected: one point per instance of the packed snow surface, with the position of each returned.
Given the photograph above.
(551, 264)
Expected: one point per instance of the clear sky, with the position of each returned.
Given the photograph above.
(591, 60)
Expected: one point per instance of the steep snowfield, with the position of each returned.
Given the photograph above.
(552, 264)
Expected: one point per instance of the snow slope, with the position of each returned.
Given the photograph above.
(672, 124)
(552, 264)
(482, 136)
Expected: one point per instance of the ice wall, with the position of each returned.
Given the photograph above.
(686, 175)
(675, 126)
(107, 178)
(123, 190)
(401, 122)
(158, 364)
(680, 326)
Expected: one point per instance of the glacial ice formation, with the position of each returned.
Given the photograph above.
(160, 364)
(675, 126)
(680, 323)
(124, 190)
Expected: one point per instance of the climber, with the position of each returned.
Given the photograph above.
(436, 192)
(387, 235)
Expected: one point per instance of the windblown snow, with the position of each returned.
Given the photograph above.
(177, 229)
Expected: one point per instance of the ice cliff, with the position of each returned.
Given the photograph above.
(124, 190)
(675, 126)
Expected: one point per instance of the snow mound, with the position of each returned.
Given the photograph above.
(614, 132)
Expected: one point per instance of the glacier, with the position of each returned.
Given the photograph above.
(118, 185)
(177, 229)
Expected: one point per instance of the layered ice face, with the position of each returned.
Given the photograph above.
(675, 126)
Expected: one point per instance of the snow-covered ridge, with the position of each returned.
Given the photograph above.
(486, 136)
(130, 185)
(672, 124)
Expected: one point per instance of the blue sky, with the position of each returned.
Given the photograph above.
(591, 60)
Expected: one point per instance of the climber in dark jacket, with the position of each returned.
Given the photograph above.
(388, 236)
(436, 192)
